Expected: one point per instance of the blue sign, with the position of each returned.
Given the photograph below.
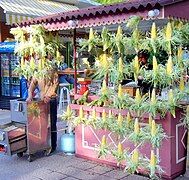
(7, 47)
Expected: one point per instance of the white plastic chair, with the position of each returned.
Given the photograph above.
(62, 99)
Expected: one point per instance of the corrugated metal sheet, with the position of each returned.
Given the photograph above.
(17, 10)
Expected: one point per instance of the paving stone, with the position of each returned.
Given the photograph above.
(102, 177)
(54, 176)
(40, 173)
(70, 178)
(101, 169)
(134, 177)
(116, 174)
(26, 177)
(84, 165)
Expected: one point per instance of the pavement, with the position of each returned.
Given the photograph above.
(59, 166)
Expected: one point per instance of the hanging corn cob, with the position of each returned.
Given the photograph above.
(81, 113)
(104, 88)
(135, 156)
(138, 96)
(153, 31)
(136, 127)
(120, 91)
(120, 121)
(22, 63)
(32, 63)
(120, 149)
(153, 132)
(128, 119)
(94, 113)
(103, 143)
(150, 120)
(153, 98)
(169, 66)
(181, 85)
(120, 65)
(136, 66)
(152, 159)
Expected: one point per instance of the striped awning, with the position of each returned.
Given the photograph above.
(19, 10)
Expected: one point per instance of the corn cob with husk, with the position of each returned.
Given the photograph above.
(179, 24)
(179, 53)
(94, 113)
(57, 54)
(104, 61)
(43, 62)
(168, 31)
(120, 91)
(181, 85)
(119, 33)
(103, 143)
(22, 63)
(170, 65)
(150, 120)
(110, 113)
(40, 65)
(120, 149)
(136, 127)
(104, 88)
(153, 131)
(128, 119)
(155, 65)
(153, 98)
(136, 66)
(135, 156)
(32, 63)
(171, 102)
(120, 69)
(153, 31)
(152, 159)
(68, 113)
(104, 116)
(81, 113)
(138, 96)
(120, 121)
(91, 37)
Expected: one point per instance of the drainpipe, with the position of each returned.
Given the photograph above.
(74, 56)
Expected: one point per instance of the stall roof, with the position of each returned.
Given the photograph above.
(111, 14)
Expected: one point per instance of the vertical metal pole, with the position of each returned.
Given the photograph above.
(74, 56)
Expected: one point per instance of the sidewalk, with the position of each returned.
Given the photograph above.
(58, 166)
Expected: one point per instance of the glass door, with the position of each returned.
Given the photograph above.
(5, 75)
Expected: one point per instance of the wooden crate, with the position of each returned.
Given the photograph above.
(129, 90)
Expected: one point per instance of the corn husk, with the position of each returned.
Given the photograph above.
(32, 63)
(150, 120)
(40, 64)
(43, 62)
(136, 34)
(120, 149)
(168, 31)
(155, 65)
(128, 119)
(103, 143)
(135, 156)
(120, 91)
(152, 159)
(170, 65)
(136, 127)
(120, 120)
(81, 113)
(105, 61)
(91, 34)
(138, 96)
(120, 65)
(104, 88)
(104, 115)
(136, 64)
(181, 85)
(153, 31)
(57, 54)
(153, 98)
(170, 95)
(153, 132)
(119, 32)
(110, 113)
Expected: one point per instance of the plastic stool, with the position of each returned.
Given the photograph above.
(63, 100)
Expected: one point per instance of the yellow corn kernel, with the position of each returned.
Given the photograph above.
(168, 31)
(153, 31)
(152, 159)
(136, 127)
(138, 96)
(136, 34)
(32, 63)
(110, 113)
(81, 113)
(181, 85)
(120, 149)
(103, 143)
(22, 62)
(155, 65)
(150, 120)
(43, 61)
(170, 65)
(120, 65)
(104, 115)
(40, 64)
(153, 132)
(120, 121)
(119, 32)
(94, 113)
(136, 64)
(91, 34)
(179, 54)
(153, 98)
(135, 156)
(104, 88)
(57, 54)
(120, 91)
(128, 118)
